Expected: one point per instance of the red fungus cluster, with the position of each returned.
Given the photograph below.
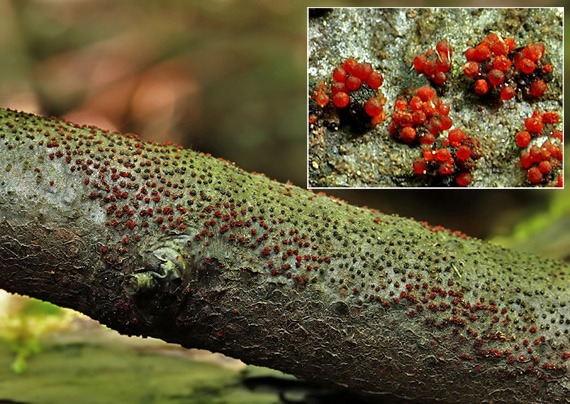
(434, 64)
(542, 147)
(320, 95)
(452, 158)
(421, 118)
(349, 78)
(354, 88)
(529, 62)
(499, 69)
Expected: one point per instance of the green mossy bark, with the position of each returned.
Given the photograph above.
(155, 240)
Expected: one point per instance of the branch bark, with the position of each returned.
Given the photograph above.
(156, 240)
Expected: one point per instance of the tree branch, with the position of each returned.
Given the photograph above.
(160, 241)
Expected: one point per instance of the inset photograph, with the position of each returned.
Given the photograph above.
(435, 97)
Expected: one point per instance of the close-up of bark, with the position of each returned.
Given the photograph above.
(156, 240)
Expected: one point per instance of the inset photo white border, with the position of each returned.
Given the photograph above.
(435, 97)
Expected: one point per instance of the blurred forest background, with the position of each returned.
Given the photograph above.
(226, 77)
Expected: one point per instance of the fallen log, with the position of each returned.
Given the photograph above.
(159, 241)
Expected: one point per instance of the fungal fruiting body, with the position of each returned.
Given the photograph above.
(541, 149)
(496, 69)
(320, 95)
(420, 117)
(449, 160)
(499, 70)
(194, 250)
(435, 64)
(355, 94)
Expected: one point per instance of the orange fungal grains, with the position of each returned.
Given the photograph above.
(422, 111)
(375, 80)
(420, 62)
(499, 71)
(353, 83)
(449, 161)
(496, 71)
(341, 99)
(471, 69)
(523, 138)
(496, 77)
(507, 92)
(534, 175)
(482, 52)
(502, 63)
(463, 179)
(550, 117)
(338, 87)
(420, 166)
(538, 88)
(320, 96)
(455, 137)
(435, 65)
(534, 123)
(354, 88)
(339, 74)
(527, 66)
(408, 134)
(322, 99)
(362, 70)
(541, 149)
(463, 152)
(481, 87)
(373, 107)
(426, 93)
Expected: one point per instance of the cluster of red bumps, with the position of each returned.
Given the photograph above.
(453, 158)
(434, 65)
(349, 78)
(541, 160)
(320, 95)
(421, 118)
(498, 68)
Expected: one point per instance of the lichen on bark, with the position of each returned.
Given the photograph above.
(156, 240)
